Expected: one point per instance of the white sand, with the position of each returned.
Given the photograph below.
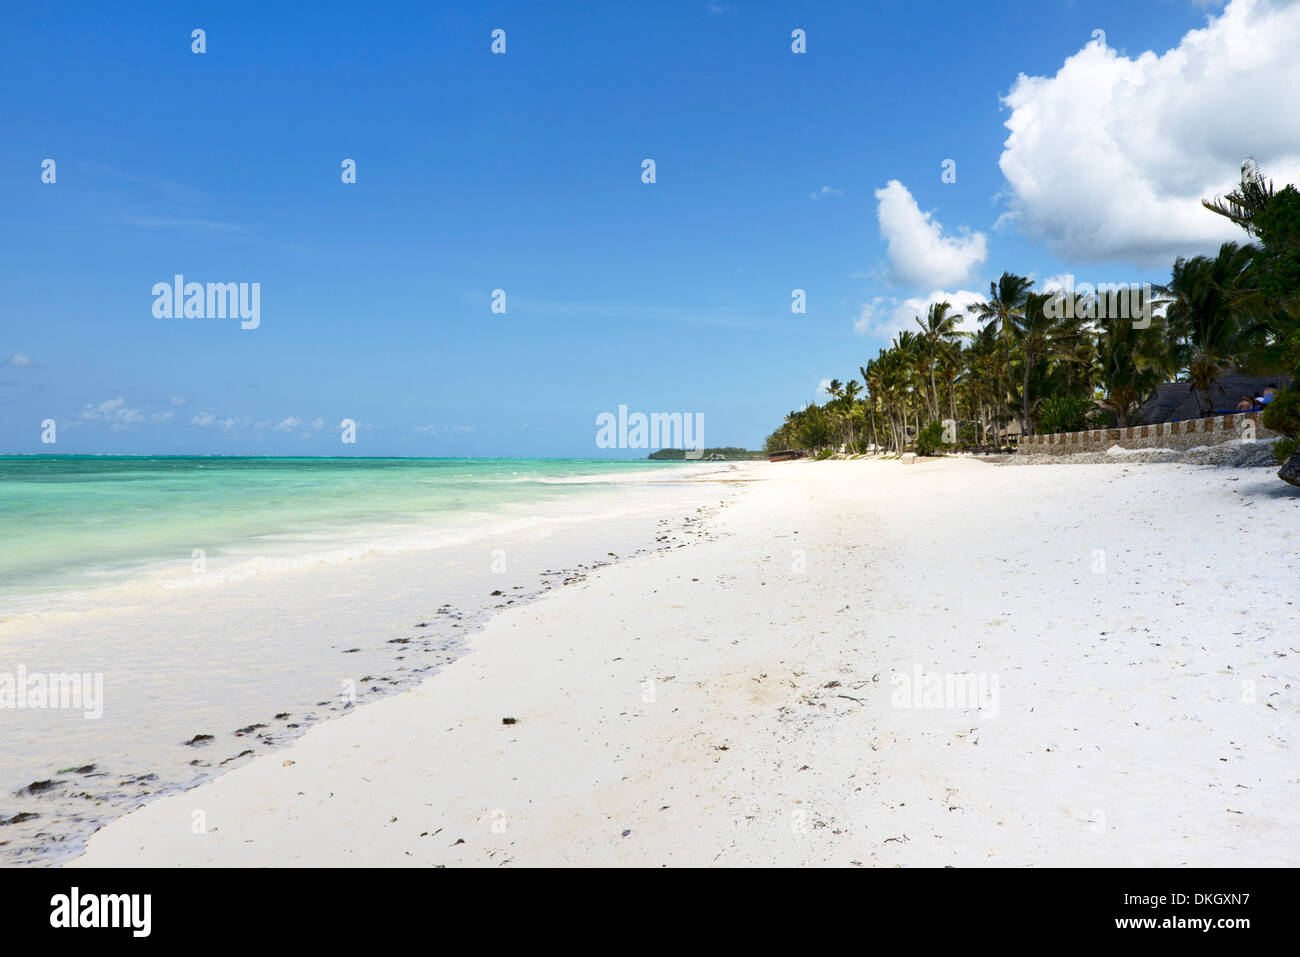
(1124, 734)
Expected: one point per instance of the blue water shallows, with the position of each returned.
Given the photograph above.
(74, 522)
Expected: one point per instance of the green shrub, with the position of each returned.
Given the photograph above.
(1102, 419)
(929, 441)
(1283, 415)
(824, 454)
(1063, 413)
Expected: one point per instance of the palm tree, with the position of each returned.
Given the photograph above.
(1006, 303)
(1209, 315)
(940, 326)
(1245, 202)
(1034, 330)
(1132, 362)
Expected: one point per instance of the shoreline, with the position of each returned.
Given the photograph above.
(730, 703)
(385, 636)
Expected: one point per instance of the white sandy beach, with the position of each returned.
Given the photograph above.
(728, 702)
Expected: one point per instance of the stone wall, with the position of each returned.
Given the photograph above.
(1165, 435)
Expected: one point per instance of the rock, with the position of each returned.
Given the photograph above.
(509, 720)
(1290, 471)
(198, 739)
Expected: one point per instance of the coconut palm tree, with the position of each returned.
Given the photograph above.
(1006, 302)
(1245, 202)
(1033, 330)
(940, 326)
(1210, 315)
(1132, 362)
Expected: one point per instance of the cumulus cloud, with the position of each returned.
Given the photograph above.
(206, 419)
(919, 252)
(884, 317)
(177, 400)
(295, 424)
(1109, 158)
(824, 192)
(20, 361)
(112, 412)
(449, 430)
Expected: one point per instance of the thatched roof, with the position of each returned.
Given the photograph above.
(1175, 401)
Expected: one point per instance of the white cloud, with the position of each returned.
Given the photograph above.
(824, 192)
(205, 419)
(1109, 158)
(289, 424)
(162, 416)
(449, 430)
(177, 400)
(112, 412)
(883, 317)
(919, 253)
(20, 361)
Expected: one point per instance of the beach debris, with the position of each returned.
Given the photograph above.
(509, 720)
(351, 651)
(496, 592)
(37, 787)
(248, 730)
(19, 818)
(287, 763)
(283, 715)
(84, 769)
(199, 739)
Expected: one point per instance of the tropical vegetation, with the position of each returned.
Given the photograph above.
(1035, 360)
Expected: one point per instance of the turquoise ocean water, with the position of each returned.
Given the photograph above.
(327, 583)
(77, 522)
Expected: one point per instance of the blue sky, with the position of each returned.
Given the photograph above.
(522, 172)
